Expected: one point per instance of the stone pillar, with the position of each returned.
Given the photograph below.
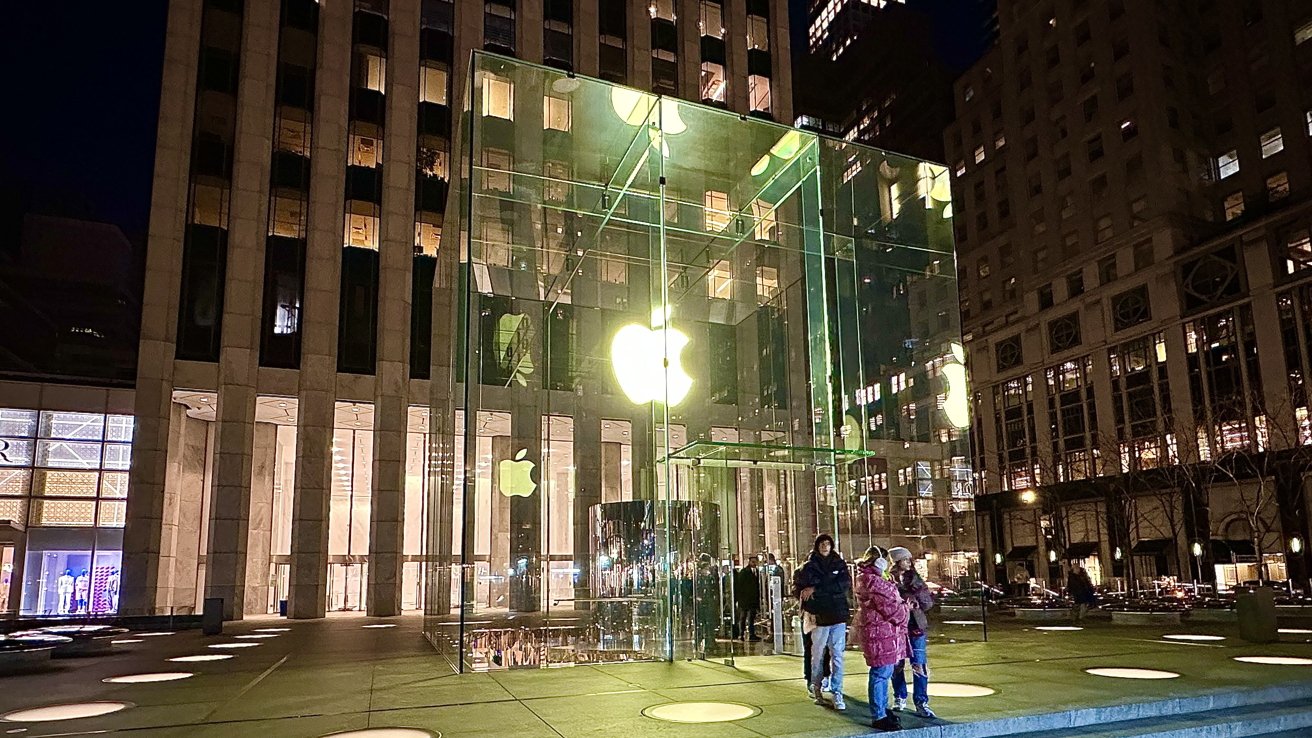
(188, 516)
(264, 471)
(307, 590)
(396, 250)
(596, 466)
(146, 536)
(499, 540)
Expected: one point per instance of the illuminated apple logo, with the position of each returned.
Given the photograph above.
(638, 357)
(515, 478)
(957, 404)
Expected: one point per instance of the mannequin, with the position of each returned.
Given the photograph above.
(64, 586)
(111, 587)
(82, 586)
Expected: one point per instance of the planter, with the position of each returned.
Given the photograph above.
(1041, 615)
(1213, 616)
(1145, 618)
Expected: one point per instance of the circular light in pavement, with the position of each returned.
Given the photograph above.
(963, 622)
(70, 711)
(202, 657)
(1061, 628)
(159, 676)
(1296, 631)
(701, 712)
(1123, 673)
(257, 636)
(952, 689)
(125, 641)
(154, 634)
(272, 630)
(1192, 637)
(385, 733)
(379, 625)
(1275, 660)
(239, 644)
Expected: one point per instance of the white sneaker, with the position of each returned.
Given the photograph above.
(825, 685)
(899, 704)
(810, 690)
(923, 711)
(839, 704)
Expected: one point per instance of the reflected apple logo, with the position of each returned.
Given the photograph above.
(515, 477)
(957, 404)
(638, 358)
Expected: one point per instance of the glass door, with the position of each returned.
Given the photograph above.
(346, 582)
(6, 575)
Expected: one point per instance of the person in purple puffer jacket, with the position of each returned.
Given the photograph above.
(883, 625)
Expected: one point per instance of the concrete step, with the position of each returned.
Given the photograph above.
(1224, 714)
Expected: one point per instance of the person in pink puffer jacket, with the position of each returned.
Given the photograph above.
(883, 623)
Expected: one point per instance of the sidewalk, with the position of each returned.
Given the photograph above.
(321, 677)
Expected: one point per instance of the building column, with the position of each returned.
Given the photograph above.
(308, 587)
(596, 467)
(396, 251)
(264, 471)
(225, 569)
(146, 536)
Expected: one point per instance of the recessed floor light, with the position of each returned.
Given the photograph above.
(953, 689)
(125, 641)
(379, 625)
(1296, 631)
(1059, 627)
(963, 622)
(70, 711)
(239, 644)
(159, 676)
(386, 733)
(701, 712)
(257, 636)
(154, 634)
(1122, 673)
(202, 657)
(272, 630)
(1275, 660)
(1192, 637)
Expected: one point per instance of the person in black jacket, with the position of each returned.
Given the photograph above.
(826, 585)
(747, 599)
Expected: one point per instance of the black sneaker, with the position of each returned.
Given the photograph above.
(887, 724)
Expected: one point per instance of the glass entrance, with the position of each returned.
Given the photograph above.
(346, 585)
(6, 575)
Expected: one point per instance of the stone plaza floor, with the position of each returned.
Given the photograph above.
(338, 674)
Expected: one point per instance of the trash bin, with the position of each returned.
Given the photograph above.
(282, 608)
(211, 619)
(1256, 611)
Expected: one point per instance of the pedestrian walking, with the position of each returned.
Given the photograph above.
(825, 587)
(1079, 587)
(747, 600)
(808, 627)
(883, 625)
(916, 594)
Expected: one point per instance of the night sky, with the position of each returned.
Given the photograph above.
(81, 109)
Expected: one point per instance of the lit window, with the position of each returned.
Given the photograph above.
(716, 210)
(496, 243)
(1227, 164)
(969, 93)
(1303, 33)
(713, 82)
(1234, 205)
(288, 217)
(758, 93)
(498, 97)
(555, 185)
(428, 238)
(1272, 143)
(758, 33)
(613, 270)
(209, 205)
(557, 113)
(361, 225)
(373, 72)
(979, 153)
(661, 9)
(432, 85)
(767, 225)
(1298, 251)
(719, 281)
(364, 151)
(1000, 141)
(1277, 186)
(1308, 118)
(767, 283)
(894, 199)
(710, 22)
(496, 170)
(293, 136)
(434, 162)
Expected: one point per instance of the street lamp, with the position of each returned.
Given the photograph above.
(1197, 549)
(1029, 496)
(1296, 545)
(997, 559)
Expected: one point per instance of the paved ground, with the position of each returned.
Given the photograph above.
(320, 677)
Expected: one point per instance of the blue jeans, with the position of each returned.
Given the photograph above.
(831, 639)
(879, 690)
(919, 660)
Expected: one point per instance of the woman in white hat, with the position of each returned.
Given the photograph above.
(916, 594)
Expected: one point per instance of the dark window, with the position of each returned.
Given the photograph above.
(1107, 269)
(1094, 147)
(499, 27)
(1130, 308)
(1090, 108)
(723, 380)
(1045, 296)
(1064, 333)
(1008, 353)
(284, 286)
(421, 315)
(560, 348)
(357, 327)
(613, 61)
(1075, 284)
(200, 303)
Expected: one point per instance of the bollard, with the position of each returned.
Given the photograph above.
(211, 620)
(1256, 612)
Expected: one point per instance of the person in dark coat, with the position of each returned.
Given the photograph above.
(808, 626)
(747, 600)
(1079, 587)
(916, 594)
(708, 612)
(826, 587)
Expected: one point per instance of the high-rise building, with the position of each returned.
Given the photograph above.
(300, 188)
(1133, 203)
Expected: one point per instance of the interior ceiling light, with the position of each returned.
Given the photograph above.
(159, 676)
(70, 711)
(788, 145)
(1296, 631)
(761, 165)
(1123, 673)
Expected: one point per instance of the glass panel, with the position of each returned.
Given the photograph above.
(114, 484)
(17, 422)
(118, 456)
(15, 510)
(65, 483)
(68, 454)
(63, 512)
(112, 514)
(16, 452)
(118, 427)
(80, 426)
(14, 482)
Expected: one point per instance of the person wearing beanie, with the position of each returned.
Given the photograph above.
(916, 594)
(883, 627)
(825, 585)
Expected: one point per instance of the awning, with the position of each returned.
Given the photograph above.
(1228, 551)
(1082, 550)
(1020, 553)
(1152, 547)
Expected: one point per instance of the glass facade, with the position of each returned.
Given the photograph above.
(680, 338)
(63, 494)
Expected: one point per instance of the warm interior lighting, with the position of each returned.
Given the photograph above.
(64, 712)
(1122, 673)
(701, 712)
(272, 630)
